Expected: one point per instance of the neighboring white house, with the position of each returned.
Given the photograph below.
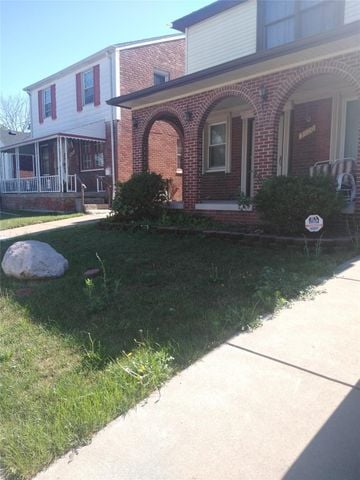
(76, 138)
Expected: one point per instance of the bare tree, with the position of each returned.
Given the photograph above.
(14, 113)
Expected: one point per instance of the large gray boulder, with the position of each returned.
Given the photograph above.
(31, 259)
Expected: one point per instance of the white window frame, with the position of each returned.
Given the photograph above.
(244, 153)
(90, 70)
(48, 89)
(345, 100)
(163, 74)
(179, 156)
(284, 140)
(224, 120)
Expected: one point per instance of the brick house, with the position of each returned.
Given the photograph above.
(76, 138)
(271, 88)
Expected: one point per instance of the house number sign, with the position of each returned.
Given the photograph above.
(308, 131)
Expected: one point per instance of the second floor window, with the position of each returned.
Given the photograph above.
(160, 77)
(284, 21)
(47, 102)
(88, 87)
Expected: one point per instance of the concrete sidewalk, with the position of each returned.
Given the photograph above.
(282, 402)
(43, 227)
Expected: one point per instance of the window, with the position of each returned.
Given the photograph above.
(92, 155)
(47, 102)
(88, 87)
(217, 146)
(179, 155)
(284, 21)
(352, 125)
(160, 77)
(44, 160)
(217, 143)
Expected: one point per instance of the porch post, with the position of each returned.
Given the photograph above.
(66, 160)
(37, 164)
(58, 160)
(17, 163)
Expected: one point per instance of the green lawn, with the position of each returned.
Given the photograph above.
(75, 354)
(19, 218)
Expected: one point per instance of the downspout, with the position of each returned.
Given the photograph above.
(31, 113)
(113, 94)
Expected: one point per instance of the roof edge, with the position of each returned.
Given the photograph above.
(203, 13)
(262, 55)
(118, 46)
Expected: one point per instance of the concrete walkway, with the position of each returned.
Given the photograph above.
(282, 402)
(43, 227)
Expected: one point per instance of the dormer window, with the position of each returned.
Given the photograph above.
(284, 21)
(161, 77)
(88, 87)
(47, 102)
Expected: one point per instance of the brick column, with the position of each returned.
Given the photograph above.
(265, 145)
(191, 168)
(138, 140)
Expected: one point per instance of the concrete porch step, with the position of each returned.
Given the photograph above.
(96, 208)
(92, 200)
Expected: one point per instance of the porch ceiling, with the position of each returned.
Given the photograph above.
(261, 63)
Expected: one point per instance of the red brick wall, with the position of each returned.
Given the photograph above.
(137, 72)
(51, 202)
(162, 155)
(280, 86)
(137, 64)
(221, 185)
(314, 147)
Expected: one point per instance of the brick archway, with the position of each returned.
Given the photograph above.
(169, 115)
(159, 134)
(295, 79)
(301, 74)
(200, 117)
(219, 95)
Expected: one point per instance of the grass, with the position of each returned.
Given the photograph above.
(19, 218)
(75, 354)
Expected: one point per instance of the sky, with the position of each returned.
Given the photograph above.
(39, 38)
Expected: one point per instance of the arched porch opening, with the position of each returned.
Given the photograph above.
(318, 120)
(163, 149)
(226, 151)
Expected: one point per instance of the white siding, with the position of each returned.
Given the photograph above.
(69, 120)
(223, 37)
(352, 11)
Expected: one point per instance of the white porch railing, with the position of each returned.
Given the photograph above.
(46, 183)
(100, 187)
(50, 183)
(71, 183)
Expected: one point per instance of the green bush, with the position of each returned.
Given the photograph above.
(141, 197)
(286, 202)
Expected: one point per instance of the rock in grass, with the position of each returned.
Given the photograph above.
(31, 259)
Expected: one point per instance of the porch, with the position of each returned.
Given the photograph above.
(304, 122)
(59, 165)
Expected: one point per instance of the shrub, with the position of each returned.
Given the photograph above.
(285, 202)
(143, 196)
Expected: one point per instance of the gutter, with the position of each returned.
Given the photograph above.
(252, 59)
